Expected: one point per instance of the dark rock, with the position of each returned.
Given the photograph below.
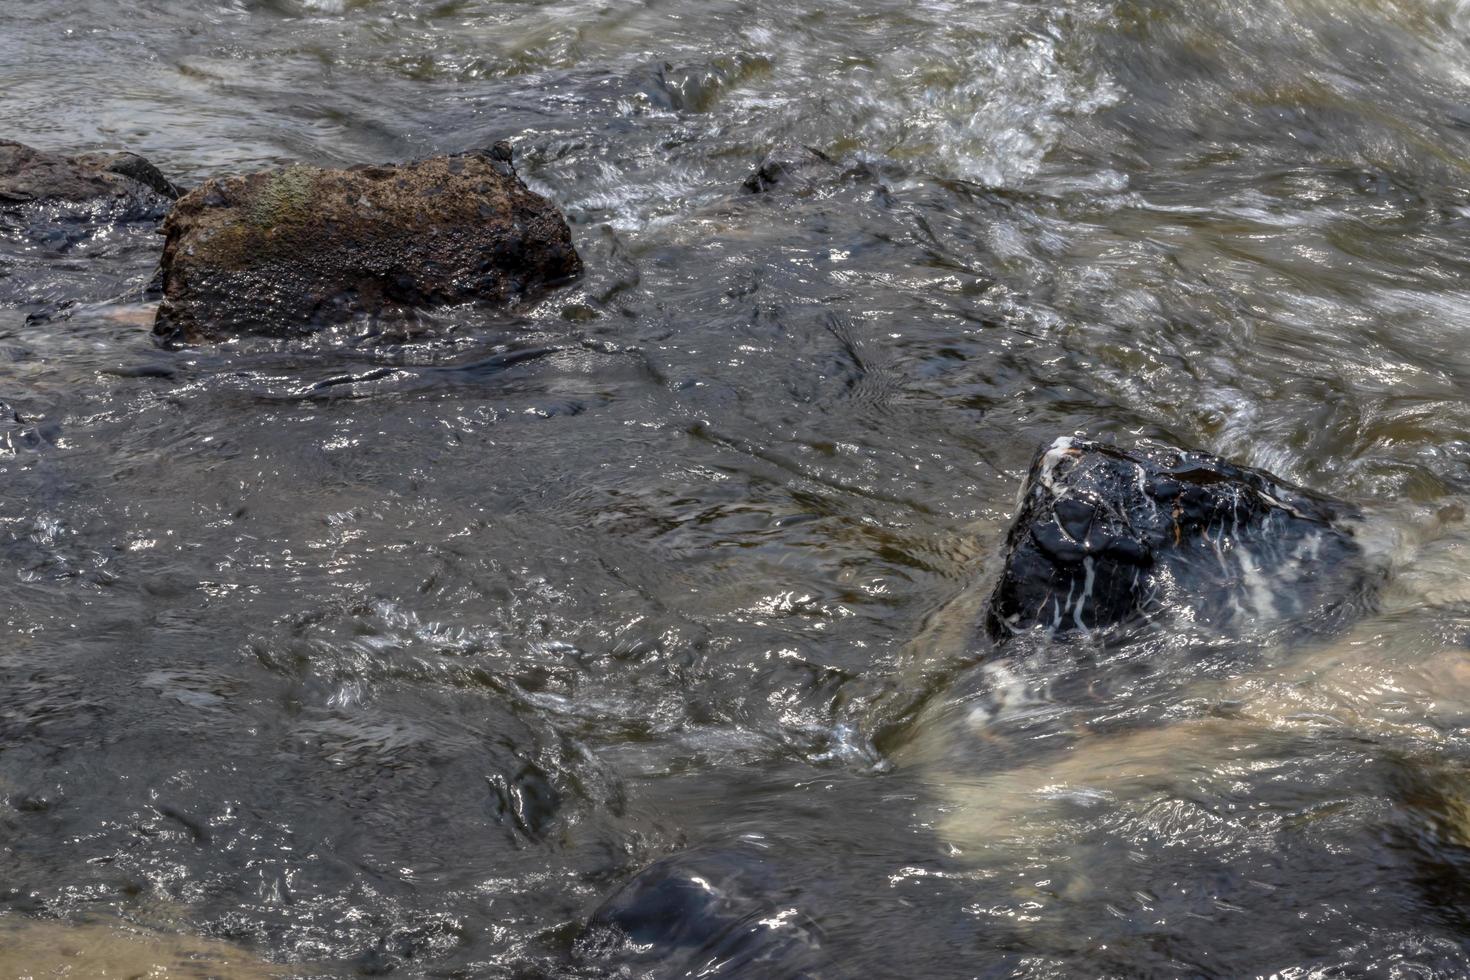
(1108, 536)
(790, 165)
(53, 206)
(697, 88)
(19, 433)
(288, 251)
(122, 186)
(705, 912)
(527, 802)
(54, 312)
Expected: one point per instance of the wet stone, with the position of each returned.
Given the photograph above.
(21, 434)
(289, 251)
(76, 229)
(696, 88)
(39, 188)
(1110, 536)
(708, 911)
(528, 802)
(791, 166)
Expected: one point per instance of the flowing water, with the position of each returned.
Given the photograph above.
(399, 655)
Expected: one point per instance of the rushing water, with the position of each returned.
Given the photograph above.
(372, 654)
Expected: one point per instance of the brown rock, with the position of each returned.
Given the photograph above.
(288, 251)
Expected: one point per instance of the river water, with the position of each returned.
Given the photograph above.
(400, 655)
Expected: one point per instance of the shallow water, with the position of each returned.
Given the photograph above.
(367, 653)
(104, 951)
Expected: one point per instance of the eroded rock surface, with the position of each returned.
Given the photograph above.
(1106, 536)
(288, 251)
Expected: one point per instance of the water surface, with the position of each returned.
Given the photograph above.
(369, 653)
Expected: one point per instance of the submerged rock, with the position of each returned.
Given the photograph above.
(110, 186)
(705, 912)
(696, 88)
(1108, 536)
(290, 250)
(790, 165)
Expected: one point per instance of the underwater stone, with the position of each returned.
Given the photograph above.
(708, 911)
(697, 87)
(790, 164)
(1107, 536)
(288, 251)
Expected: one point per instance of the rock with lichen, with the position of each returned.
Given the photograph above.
(288, 251)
